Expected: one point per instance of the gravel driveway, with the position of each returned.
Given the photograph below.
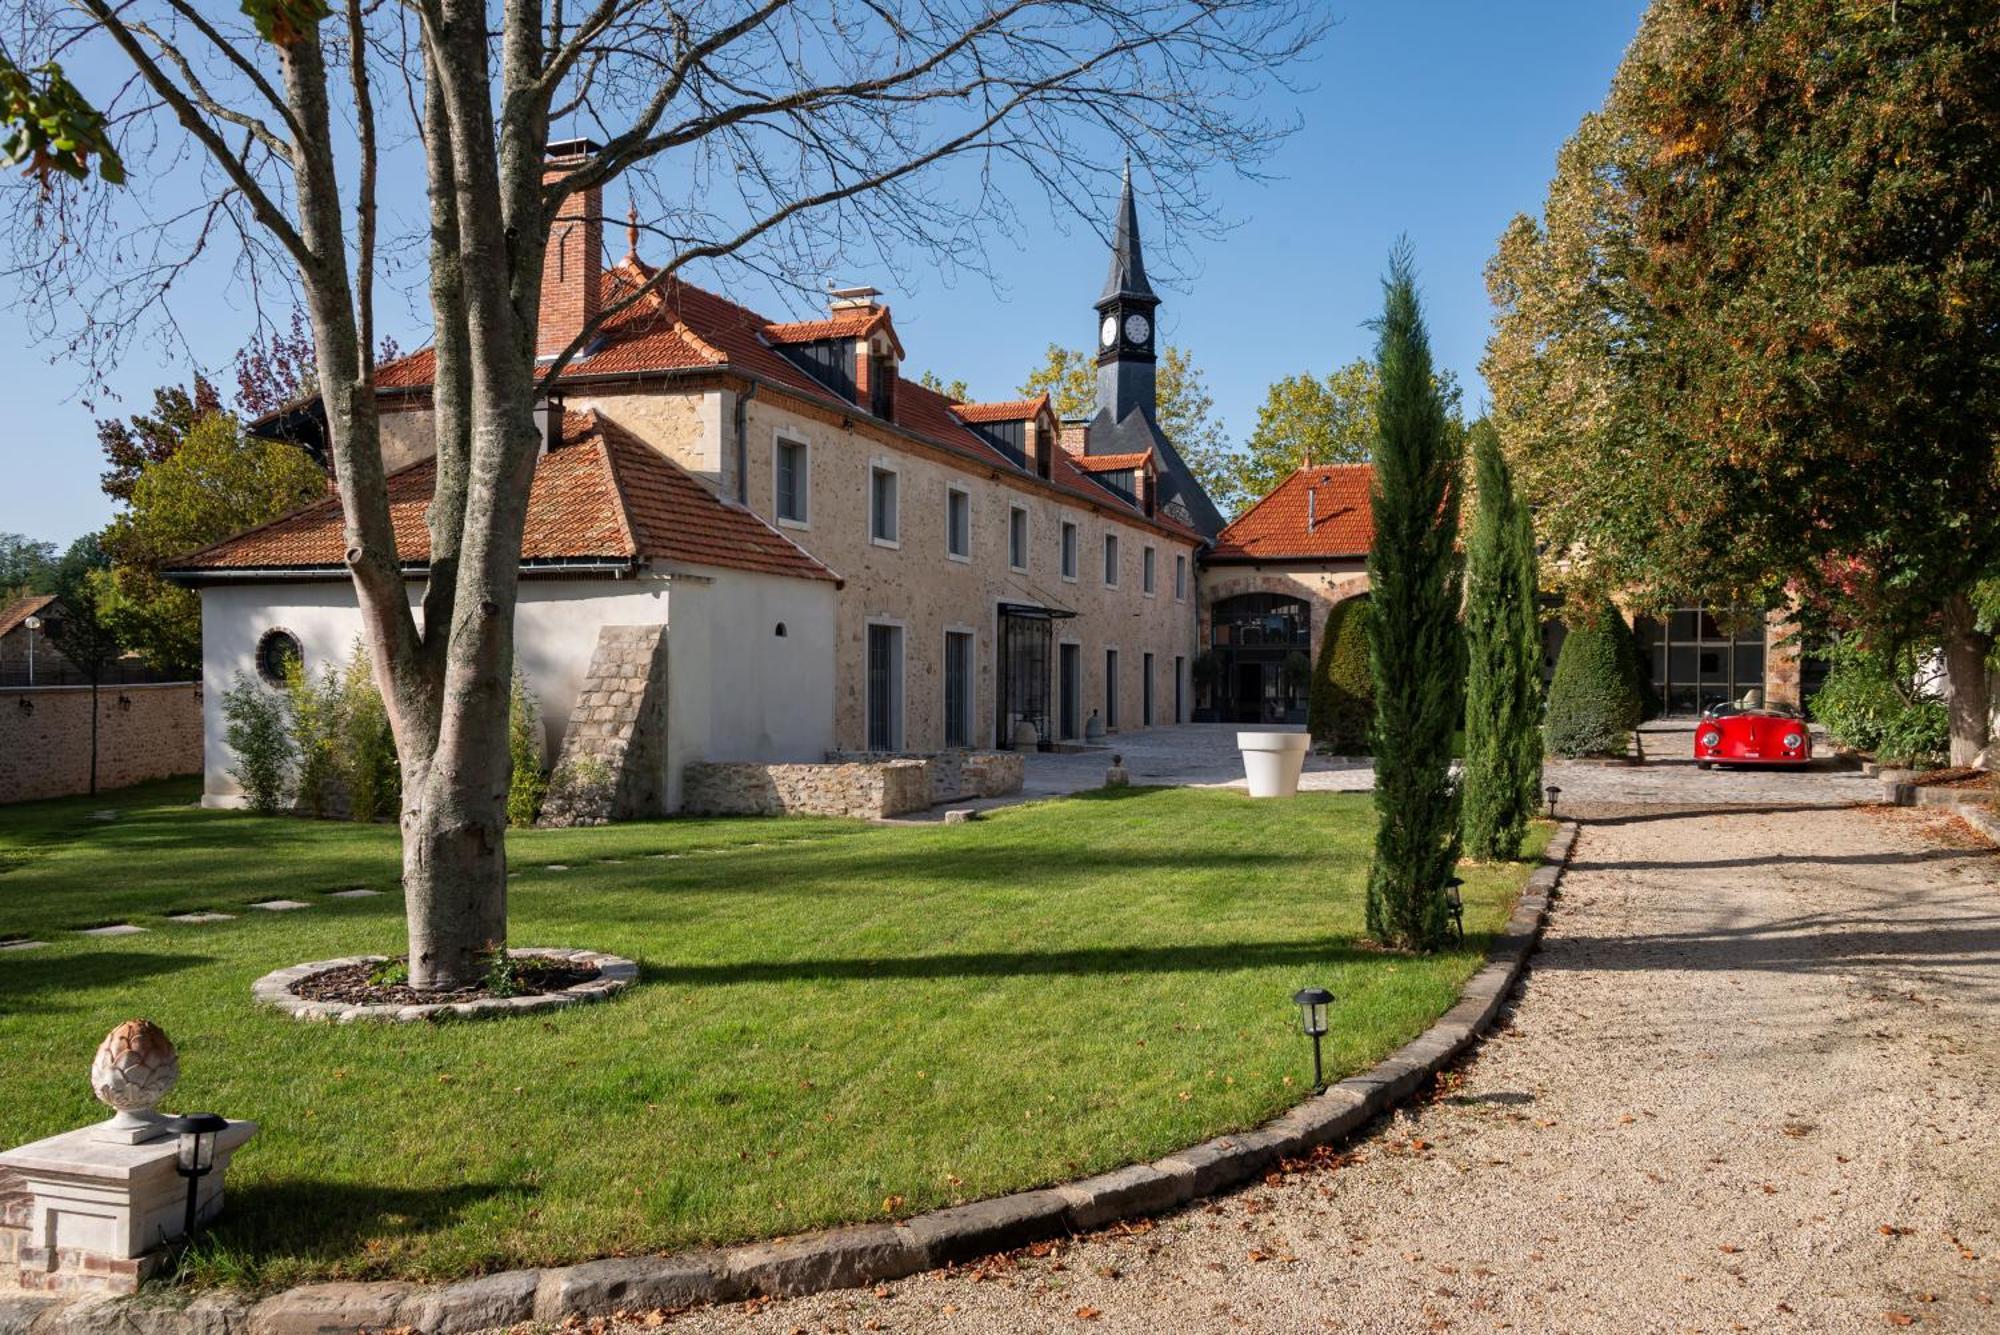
(1752, 1083)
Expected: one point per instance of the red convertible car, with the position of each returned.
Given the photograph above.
(1751, 735)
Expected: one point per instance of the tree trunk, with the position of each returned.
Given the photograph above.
(93, 737)
(454, 876)
(1967, 693)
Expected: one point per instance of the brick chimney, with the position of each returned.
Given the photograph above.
(573, 260)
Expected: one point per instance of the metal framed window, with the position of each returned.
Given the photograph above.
(791, 485)
(1017, 538)
(883, 519)
(885, 687)
(1148, 558)
(957, 524)
(1111, 560)
(1110, 688)
(1180, 577)
(958, 688)
(1145, 690)
(1069, 551)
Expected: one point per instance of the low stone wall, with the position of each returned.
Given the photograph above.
(143, 732)
(956, 775)
(870, 790)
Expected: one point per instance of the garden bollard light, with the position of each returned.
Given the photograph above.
(1554, 792)
(1312, 1003)
(197, 1158)
(1454, 900)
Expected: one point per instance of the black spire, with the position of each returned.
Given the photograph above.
(1128, 262)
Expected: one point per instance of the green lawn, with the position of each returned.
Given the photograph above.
(832, 1019)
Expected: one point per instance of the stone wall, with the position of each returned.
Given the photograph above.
(870, 790)
(956, 775)
(144, 732)
(617, 728)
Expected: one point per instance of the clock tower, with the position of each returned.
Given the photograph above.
(1125, 323)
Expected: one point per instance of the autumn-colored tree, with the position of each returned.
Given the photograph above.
(1186, 410)
(1750, 355)
(1317, 419)
(218, 482)
(765, 135)
(131, 444)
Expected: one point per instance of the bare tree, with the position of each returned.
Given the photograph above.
(778, 135)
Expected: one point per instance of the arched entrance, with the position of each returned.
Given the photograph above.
(1261, 643)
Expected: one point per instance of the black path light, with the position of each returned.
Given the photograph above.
(1312, 1003)
(1553, 792)
(1454, 901)
(197, 1159)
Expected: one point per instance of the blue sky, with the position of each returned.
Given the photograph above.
(1438, 119)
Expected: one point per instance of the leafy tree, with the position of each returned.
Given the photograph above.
(1186, 410)
(84, 635)
(752, 142)
(1414, 638)
(1594, 703)
(1503, 689)
(27, 565)
(130, 445)
(1751, 354)
(1340, 707)
(954, 389)
(215, 483)
(1321, 420)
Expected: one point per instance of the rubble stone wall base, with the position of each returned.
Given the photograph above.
(869, 790)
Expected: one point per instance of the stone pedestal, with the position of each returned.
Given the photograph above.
(90, 1215)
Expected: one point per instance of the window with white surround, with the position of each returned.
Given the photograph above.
(1148, 558)
(1069, 551)
(1111, 560)
(883, 521)
(1017, 538)
(958, 688)
(885, 687)
(957, 524)
(791, 484)
(1180, 577)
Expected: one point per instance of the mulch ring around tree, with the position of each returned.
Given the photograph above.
(386, 984)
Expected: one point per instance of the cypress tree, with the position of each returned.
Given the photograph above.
(1503, 737)
(1413, 570)
(1342, 704)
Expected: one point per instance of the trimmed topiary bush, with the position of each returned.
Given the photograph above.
(1594, 703)
(1341, 704)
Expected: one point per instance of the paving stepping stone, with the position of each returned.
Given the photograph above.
(106, 814)
(281, 905)
(22, 945)
(201, 917)
(356, 893)
(115, 929)
(557, 866)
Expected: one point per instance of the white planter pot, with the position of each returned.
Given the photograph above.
(1272, 761)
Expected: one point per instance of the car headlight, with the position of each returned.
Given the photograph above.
(1711, 738)
(1794, 740)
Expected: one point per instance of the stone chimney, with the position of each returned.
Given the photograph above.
(573, 261)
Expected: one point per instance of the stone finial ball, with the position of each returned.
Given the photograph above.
(135, 1066)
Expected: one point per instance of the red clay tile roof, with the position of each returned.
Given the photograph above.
(854, 322)
(27, 605)
(1013, 410)
(1274, 529)
(1112, 463)
(681, 326)
(602, 494)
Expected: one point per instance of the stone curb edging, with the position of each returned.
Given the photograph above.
(859, 1254)
(1981, 816)
(614, 975)
(1902, 794)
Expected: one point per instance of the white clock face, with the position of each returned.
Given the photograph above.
(1110, 330)
(1136, 329)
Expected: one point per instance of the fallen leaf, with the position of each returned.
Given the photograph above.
(1899, 1318)
(1088, 1314)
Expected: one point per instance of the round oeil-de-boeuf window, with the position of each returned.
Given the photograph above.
(276, 652)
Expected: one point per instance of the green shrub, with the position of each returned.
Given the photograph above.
(528, 786)
(314, 703)
(1503, 689)
(1637, 669)
(1594, 702)
(1340, 708)
(368, 746)
(1870, 702)
(259, 734)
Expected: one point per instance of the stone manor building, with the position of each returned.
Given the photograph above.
(828, 557)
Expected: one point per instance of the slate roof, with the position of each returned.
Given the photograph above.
(27, 605)
(684, 327)
(1276, 528)
(603, 494)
